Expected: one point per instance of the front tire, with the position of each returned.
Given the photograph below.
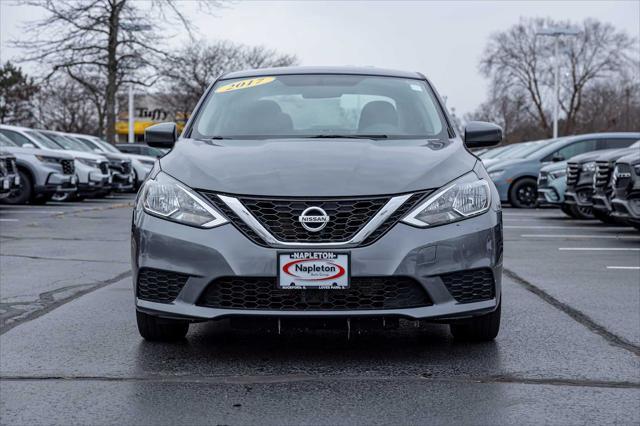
(160, 329)
(479, 329)
(523, 194)
(23, 194)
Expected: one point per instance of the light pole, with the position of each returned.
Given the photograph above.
(131, 138)
(556, 33)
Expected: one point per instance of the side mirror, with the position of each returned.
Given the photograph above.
(480, 134)
(557, 158)
(163, 135)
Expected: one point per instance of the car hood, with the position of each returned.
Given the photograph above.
(318, 167)
(554, 166)
(80, 154)
(507, 162)
(16, 150)
(590, 156)
(115, 156)
(140, 157)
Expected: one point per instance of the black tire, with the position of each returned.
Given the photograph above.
(479, 329)
(583, 213)
(566, 209)
(523, 194)
(41, 199)
(160, 329)
(605, 217)
(24, 192)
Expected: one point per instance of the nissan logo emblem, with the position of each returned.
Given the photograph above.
(313, 219)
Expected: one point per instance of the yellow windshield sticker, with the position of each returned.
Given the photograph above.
(245, 84)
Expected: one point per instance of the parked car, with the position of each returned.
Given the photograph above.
(9, 178)
(552, 182)
(140, 164)
(516, 178)
(141, 149)
(518, 150)
(318, 193)
(42, 173)
(602, 190)
(625, 201)
(122, 177)
(581, 171)
(92, 169)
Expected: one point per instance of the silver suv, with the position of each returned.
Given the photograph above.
(334, 194)
(41, 173)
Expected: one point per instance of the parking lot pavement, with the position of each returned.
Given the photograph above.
(567, 353)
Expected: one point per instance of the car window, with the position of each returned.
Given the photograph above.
(5, 141)
(576, 148)
(16, 137)
(613, 143)
(43, 140)
(311, 105)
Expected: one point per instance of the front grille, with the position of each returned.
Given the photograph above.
(10, 164)
(122, 167)
(68, 167)
(543, 179)
(364, 293)
(126, 167)
(160, 286)
(104, 167)
(602, 177)
(573, 173)
(470, 286)
(620, 182)
(346, 217)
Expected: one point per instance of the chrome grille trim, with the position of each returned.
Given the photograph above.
(383, 214)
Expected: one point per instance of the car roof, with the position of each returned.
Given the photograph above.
(562, 141)
(349, 70)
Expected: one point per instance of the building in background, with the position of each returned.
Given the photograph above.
(149, 110)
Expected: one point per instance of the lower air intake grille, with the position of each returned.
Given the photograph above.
(364, 293)
(160, 286)
(68, 167)
(469, 286)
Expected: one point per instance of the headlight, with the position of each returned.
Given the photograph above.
(495, 174)
(558, 174)
(169, 199)
(88, 162)
(589, 167)
(636, 168)
(462, 199)
(46, 159)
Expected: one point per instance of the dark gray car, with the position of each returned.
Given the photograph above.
(299, 194)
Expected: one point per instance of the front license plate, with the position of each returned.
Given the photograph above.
(6, 183)
(74, 180)
(313, 270)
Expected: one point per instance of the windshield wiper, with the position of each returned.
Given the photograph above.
(328, 136)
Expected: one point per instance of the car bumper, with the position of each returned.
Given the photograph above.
(582, 197)
(601, 202)
(96, 183)
(549, 196)
(8, 183)
(57, 182)
(121, 182)
(423, 255)
(503, 188)
(626, 209)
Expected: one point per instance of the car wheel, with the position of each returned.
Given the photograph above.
(62, 196)
(583, 213)
(566, 209)
(41, 199)
(22, 194)
(161, 329)
(523, 194)
(478, 329)
(606, 218)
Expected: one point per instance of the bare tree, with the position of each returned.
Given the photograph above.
(518, 61)
(188, 71)
(62, 105)
(112, 41)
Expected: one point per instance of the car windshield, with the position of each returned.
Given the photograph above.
(68, 143)
(91, 144)
(106, 146)
(526, 149)
(493, 153)
(317, 106)
(5, 141)
(43, 140)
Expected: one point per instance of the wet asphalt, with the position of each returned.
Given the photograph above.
(568, 351)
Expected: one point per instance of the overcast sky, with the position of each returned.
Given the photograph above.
(444, 40)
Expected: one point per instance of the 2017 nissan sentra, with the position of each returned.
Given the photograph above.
(298, 195)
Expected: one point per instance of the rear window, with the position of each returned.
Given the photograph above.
(320, 105)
